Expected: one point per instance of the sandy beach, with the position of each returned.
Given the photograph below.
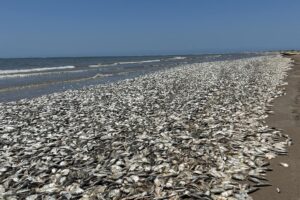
(286, 117)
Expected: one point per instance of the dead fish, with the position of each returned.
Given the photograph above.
(284, 164)
(181, 132)
(278, 190)
(262, 184)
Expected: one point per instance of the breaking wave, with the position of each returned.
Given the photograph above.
(19, 71)
(124, 63)
(177, 58)
(102, 65)
(137, 62)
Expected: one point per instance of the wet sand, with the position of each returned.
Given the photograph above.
(286, 117)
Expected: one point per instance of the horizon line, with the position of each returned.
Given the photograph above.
(147, 55)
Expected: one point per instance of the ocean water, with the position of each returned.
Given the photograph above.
(32, 77)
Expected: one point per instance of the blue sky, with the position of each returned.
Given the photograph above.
(34, 28)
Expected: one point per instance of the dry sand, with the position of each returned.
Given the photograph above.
(286, 117)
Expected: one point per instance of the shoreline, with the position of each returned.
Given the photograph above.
(286, 116)
(152, 137)
(22, 82)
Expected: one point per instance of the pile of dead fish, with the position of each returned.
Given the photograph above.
(193, 132)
